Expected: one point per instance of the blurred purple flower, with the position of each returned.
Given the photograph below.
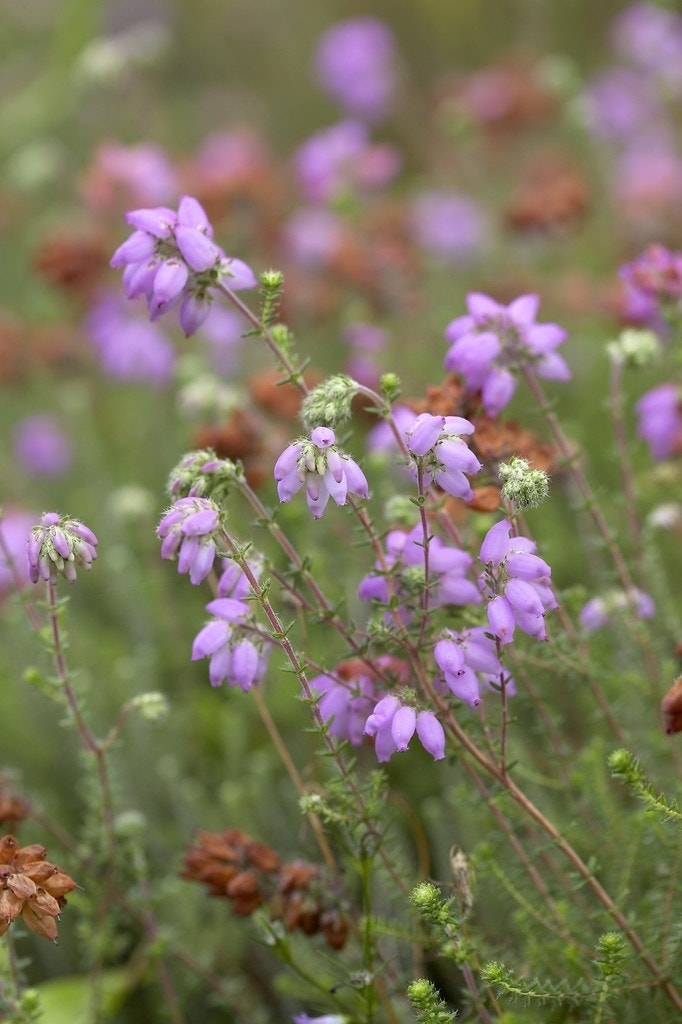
(516, 582)
(172, 260)
(651, 38)
(129, 347)
(468, 659)
(312, 236)
(599, 611)
(236, 657)
(659, 420)
(144, 170)
(15, 533)
(619, 102)
(341, 160)
(345, 704)
(436, 446)
(647, 181)
(493, 340)
(41, 446)
(325, 471)
(187, 531)
(355, 63)
(224, 335)
(656, 273)
(381, 437)
(364, 341)
(448, 224)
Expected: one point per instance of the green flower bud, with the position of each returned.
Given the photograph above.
(272, 280)
(152, 706)
(522, 486)
(634, 347)
(391, 387)
(329, 404)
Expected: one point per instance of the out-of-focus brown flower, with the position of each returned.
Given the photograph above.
(12, 807)
(502, 99)
(496, 440)
(551, 196)
(31, 888)
(281, 400)
(72, 261)
(239, 438)
(250, 874)
(671, 706)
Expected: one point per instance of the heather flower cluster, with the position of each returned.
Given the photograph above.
(516, 583)
(188, 531)
(58, 546)
(394, 722)
(171, 259)
(490, 344)
(600, 611)
(317, 463)
(469, 659)
(435, 443)
(237, 653)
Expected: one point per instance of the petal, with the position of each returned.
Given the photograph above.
(497, 391)
(431, 734)
(355, 478)
(524, 309)
(465, 686)
(553, 367)
(495, 543)
(196, 249)
(158, 221)
(542, 338)
(501, 618)
(449, 656)
(425, 432)
(138, 248)
(191, 214)
(403, 726)
(482, 306)
(455, 483)
(239, 274)
(522, 597)
(169, 280)
(210, 639)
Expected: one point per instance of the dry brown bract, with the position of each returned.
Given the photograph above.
(31, 888)
(250, 874)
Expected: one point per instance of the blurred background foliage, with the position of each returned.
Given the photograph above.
(78, 73)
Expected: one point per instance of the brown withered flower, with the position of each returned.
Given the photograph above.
(12, 807)
(552, 195)
(671, 706)
(74, 262)
(250, 875)
(31, 888)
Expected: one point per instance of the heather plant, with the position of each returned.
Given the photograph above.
(371, 716)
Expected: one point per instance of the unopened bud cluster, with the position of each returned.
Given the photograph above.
(58, 546)
(522, 486)
(329, 404)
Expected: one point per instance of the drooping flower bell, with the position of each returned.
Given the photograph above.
(188, 532)
(317, 463)
(516, 582)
